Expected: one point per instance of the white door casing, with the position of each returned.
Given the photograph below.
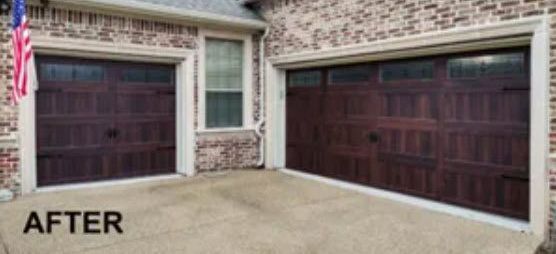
(182, 58)
(532, 31)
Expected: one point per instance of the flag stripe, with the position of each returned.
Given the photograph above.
(22, 51)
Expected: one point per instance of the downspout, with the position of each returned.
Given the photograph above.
(261, 122)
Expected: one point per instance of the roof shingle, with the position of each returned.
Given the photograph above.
(232, 8)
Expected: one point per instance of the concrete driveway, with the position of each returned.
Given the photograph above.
(252, 212)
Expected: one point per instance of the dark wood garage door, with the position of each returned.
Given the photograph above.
(452, 128)
(100, 120)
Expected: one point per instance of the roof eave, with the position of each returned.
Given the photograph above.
(171, 12)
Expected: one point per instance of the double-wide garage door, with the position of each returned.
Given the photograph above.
(452, 128)
(100, 120)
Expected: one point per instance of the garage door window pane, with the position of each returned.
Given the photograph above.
(420, 70)
(351, 74)
(305, 79)
(71, 72)
(147, 75)
(88, 73)
(159, 76)
(498, 65)
(224, 83)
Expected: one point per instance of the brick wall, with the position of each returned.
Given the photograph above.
(300, 25)
(233, 150)
(63, 21)
(309, 25)
(9, 173)
(226, 151)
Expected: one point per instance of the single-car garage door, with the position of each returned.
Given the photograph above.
(99, 120)
(453, 128)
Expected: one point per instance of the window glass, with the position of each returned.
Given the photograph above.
(351, 74)
(305, 78)
(134, 75)
(497, 65)
(147, 75)
(416, 70)
(71, 72)
(224, 83)
(88, 73)
(224, 109)
(159, 76)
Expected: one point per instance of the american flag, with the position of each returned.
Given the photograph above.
(22, 51)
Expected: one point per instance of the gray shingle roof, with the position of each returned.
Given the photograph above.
(234, 8)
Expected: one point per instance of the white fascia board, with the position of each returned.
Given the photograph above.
(171, 12)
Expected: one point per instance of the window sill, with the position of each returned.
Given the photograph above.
(226, 130)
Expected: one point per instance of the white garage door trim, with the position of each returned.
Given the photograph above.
(531, 31)
(182, 58)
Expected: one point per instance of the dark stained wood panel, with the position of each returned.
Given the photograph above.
(96, 123)
(459, 136)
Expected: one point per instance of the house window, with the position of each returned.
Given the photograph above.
(224, 83)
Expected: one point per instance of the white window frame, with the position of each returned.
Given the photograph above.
(246, 38)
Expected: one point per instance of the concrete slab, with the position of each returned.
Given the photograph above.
(253, 212)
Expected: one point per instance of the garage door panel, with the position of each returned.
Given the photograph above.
(509, 107)
(349, 105)
(303, 132)
(136, 160)
(52, 102)
(469, 189)
(406, 176)
(347, 166)
(58, 167)
(488, 169)
(147, 131)
(304, 158)
(417, 143)
(152, 102)
(87, 120)
(420, 105)
(508, 196)
(307, 99)
(512, 196)
(498, 149)
(400, 122)
(349, 135)
(453, 128)
(59, 135)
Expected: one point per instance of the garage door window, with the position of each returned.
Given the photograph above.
(305, 79)
(147, 75)
(224, 83)
(71, 72)
(416, 70)
(497, 65)
(349, 75)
